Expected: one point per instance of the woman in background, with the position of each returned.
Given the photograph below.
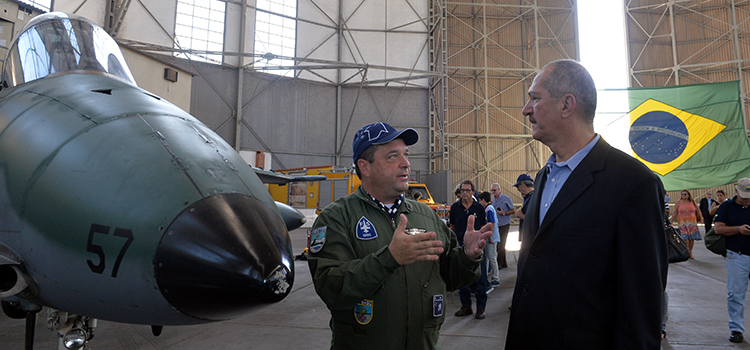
(687, 215)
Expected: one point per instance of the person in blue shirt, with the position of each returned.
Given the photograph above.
(490, 250)
(505, 209)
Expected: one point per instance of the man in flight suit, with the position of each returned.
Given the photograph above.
(384, 284)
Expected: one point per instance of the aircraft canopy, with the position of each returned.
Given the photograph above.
(57, 43)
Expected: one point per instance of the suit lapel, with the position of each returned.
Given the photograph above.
(531, 222)
(580, 179)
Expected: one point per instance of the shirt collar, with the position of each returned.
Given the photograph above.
(393, 209)
(576, 159)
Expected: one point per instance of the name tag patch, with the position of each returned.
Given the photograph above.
(437, 305)
(365, 229)
(363, 312)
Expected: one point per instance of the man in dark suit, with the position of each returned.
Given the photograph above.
(705, 207)
(593, 264)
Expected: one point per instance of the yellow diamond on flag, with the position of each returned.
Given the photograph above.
(663, 137)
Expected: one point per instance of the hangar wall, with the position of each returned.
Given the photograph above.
(295, 119)
(13, 16)
(149, 75)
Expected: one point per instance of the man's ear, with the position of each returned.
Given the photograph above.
(364, 167)
(569, 105)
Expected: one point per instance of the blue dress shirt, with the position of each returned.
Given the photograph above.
(557, 174)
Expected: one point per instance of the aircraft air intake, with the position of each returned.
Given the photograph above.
(223, 255)
(12, 281)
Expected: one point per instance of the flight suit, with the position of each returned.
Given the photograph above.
(376, 303)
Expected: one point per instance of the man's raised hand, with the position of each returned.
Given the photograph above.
(407, 249)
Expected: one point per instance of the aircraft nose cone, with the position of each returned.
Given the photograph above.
(223, 255)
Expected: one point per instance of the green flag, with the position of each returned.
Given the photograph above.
(692, 136)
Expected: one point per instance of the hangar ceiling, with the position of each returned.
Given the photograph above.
(475, 59)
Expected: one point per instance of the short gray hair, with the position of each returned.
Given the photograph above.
(570, 77)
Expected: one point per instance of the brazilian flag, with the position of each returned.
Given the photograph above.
(693, 136)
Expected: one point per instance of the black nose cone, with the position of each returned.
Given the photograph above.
(223, 255)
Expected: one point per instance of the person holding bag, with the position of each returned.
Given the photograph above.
(687, 215)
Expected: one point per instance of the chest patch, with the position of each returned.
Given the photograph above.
(363, 312)
(365, 229)
(317, 239)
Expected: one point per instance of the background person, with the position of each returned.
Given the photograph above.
(733, 221)
(490, 250)
(705, 207)
(505, 209)
(365, 268)
(525, 186)
(720, 198)
(462, 212)
(687, 216)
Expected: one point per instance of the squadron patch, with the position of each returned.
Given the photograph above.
(365, 229)
(317, 239)
(363, 312)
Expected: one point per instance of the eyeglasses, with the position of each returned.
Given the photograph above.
(494, 189)
(466, 190)
(684, 194)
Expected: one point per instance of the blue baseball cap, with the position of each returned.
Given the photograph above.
(522, 178)
(378, 134)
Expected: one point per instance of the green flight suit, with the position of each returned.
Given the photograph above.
(397, 307)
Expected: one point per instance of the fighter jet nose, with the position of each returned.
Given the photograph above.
(223, 255)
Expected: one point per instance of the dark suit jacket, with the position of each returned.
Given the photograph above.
(592, 276)
(707, 218)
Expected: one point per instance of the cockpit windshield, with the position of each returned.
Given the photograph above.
(57, 42)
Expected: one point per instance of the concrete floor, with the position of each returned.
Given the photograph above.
(697, 317)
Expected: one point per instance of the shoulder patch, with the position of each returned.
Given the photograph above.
(317, 239)
(363, 312)
(365, 229)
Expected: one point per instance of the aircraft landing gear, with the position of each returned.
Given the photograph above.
(73, 331)
(19, 309)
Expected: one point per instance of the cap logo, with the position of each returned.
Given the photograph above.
(374, 131)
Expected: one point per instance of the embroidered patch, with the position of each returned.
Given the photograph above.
(365, 229)
(437, 305)
(363, 312)
(317, 239)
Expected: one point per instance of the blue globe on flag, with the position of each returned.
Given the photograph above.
(658, 137)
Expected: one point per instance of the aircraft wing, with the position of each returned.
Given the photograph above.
(273, 177)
